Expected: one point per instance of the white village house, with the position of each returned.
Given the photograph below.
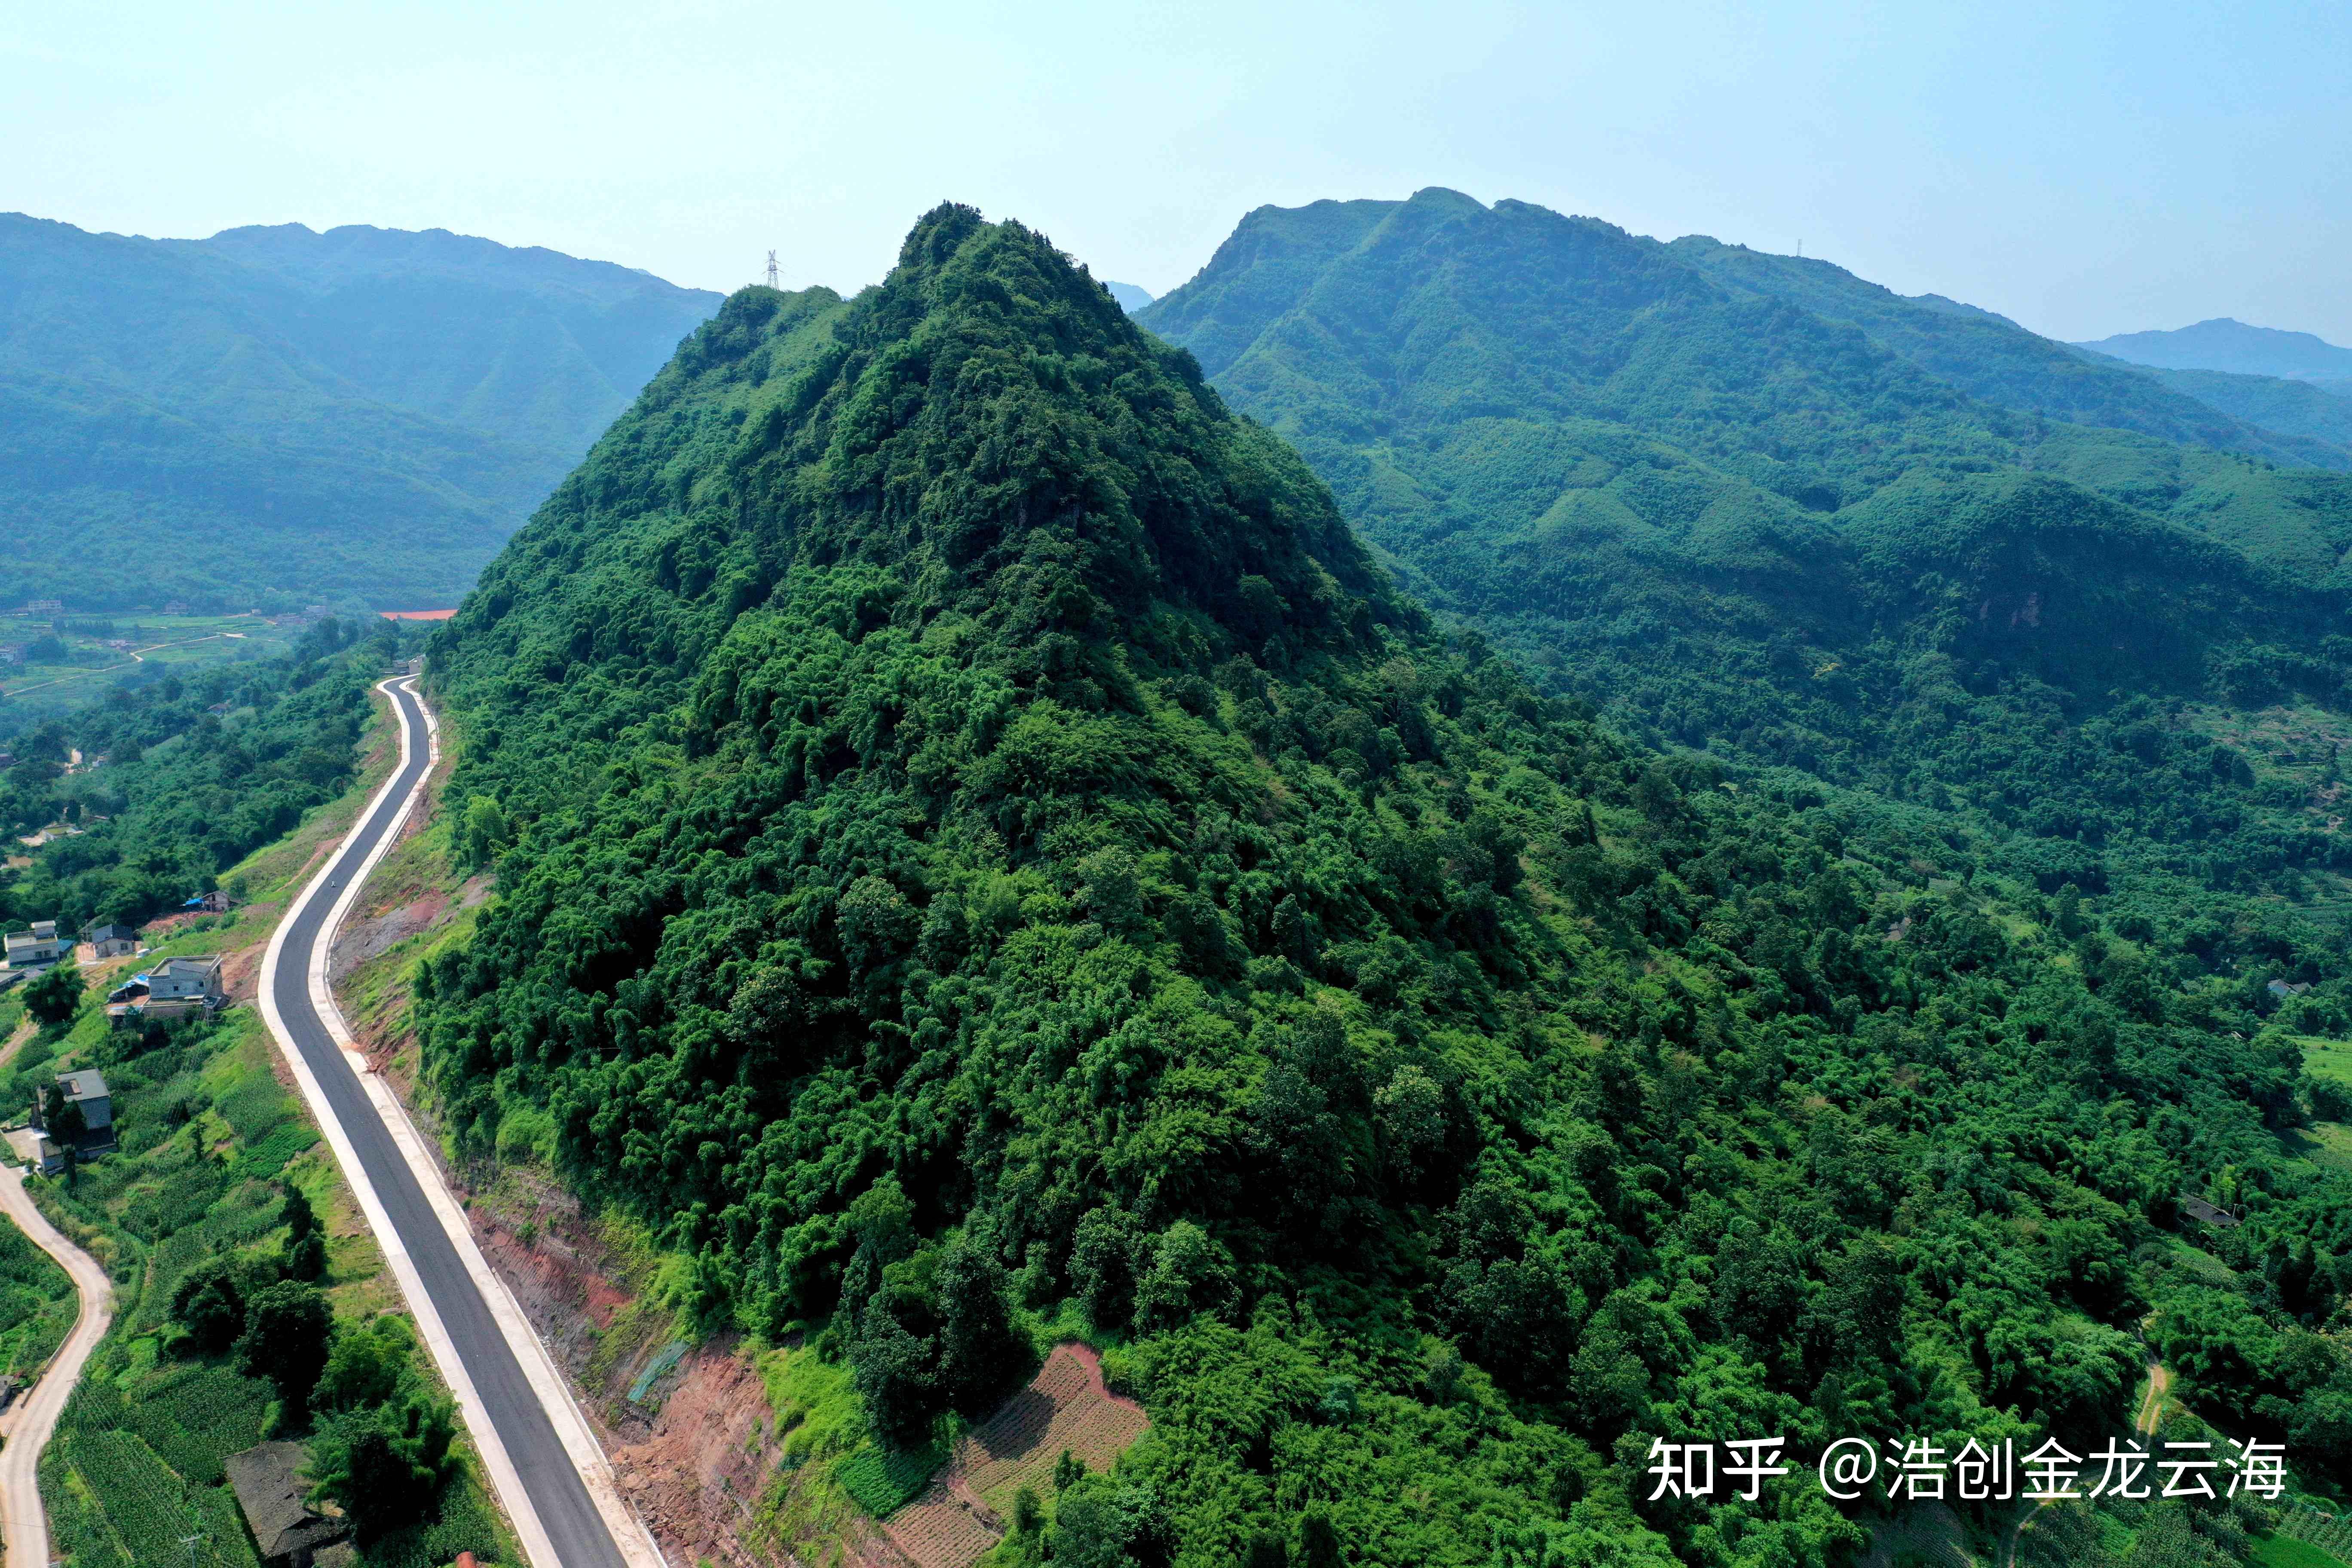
(110, 940)
(37, 948)
(171, 989)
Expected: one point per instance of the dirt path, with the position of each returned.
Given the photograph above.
(2151, 1404)
(2146, 1418)
(135, 655)
(25, 1429)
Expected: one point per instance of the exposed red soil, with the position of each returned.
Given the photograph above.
(696, 1457)
(159, 930)
(241, 972)
(698, 1473)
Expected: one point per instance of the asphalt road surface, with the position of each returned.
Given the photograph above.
(577, 1530)
(28, 1423)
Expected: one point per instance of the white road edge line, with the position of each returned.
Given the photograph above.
(629, 1532)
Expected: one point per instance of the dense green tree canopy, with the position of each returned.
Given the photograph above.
(973, 827)
(187, 776)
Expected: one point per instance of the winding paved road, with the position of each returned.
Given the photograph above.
(25, 1429)
(542, 1455)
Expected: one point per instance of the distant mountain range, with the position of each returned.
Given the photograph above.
(2230, 345)
(1131, 298)
(1668, 475)
(361, 416)
(2290, 383)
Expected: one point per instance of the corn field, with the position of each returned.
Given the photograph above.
(2329, 1532)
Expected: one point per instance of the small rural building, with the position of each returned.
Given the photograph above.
(173, 989)
(214, 903)
(289, 1532)
(2197, 1209)
(85, 1090)
(35, 1149)
(112, 941)
(37, 948)
(195, 978)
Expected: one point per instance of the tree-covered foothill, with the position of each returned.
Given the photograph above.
(974, 831)
(194, 773)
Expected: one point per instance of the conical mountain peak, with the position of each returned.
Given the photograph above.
(989, 431)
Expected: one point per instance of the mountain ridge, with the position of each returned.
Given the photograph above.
(2225, 344)
(328, 430)
(1630, 523)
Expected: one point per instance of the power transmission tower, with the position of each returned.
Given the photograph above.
(771, 271)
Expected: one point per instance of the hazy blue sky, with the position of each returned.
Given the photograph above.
(2086, 168)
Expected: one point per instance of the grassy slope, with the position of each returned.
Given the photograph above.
(137, 1463)
(2286, 1552)
(1990, 357)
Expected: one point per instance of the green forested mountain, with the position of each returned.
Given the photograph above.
(356, 417)
(1992, 358)
(1740, 523)
(2321, 410)
(2231, 345)
(974, 832)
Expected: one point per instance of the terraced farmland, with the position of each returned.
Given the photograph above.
(1066, 1407)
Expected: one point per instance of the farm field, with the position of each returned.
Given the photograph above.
(2286, 1552)
(1065, 1408)
(2331, 1143)
(212, 1147)
(2330, 1060)
(66, 660)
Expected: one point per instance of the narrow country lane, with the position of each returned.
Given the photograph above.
(542, 1457)
(25, 1429)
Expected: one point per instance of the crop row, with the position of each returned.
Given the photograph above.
(144, 1500)
(883, 1480)
(254, 1107)
(266, 1158)
(196, 1415)
(2331, 1534)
